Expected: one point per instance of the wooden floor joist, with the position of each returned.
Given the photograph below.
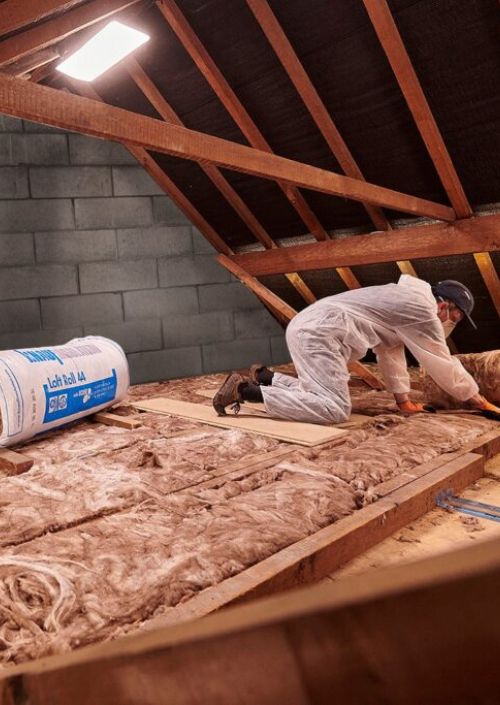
(13, 463)
(414, 634)
(166, 648)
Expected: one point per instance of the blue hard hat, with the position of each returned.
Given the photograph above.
(459, 294)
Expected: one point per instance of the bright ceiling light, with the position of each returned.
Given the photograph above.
(104, 50)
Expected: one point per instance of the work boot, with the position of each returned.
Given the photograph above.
(260, 374)
(229, 393)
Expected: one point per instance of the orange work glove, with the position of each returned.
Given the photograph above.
(409, 407)
(489, 410)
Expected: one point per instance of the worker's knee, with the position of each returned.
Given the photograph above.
(337, 413)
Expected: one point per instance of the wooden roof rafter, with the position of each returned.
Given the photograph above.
(228, 98)
(395, 50)
(311, 99)
(166, 111)
(16, 14)
(322, 118)
(33, 102)
(48, 33)
(393, 46)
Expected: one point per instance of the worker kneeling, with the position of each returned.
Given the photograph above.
(326, 336)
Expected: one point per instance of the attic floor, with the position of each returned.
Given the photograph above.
(112, 528)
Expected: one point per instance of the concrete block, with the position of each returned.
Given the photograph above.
(94, 213)
(201, 246)
(28, 216)
(133, 336)
(38, 127)
(75, 246)
(156, 241)
(10, 124)
(16, 248)
(195, 329)
(134, 181)
(166, 211)
(189, 271)
(14, 182)
(279, 350)
(33, 282)
(164, 364)
(36, 338)
(159, 303)
(237, 354)
(70, 181)
(19, 315)
(118, 276)
(255, 323)
(89, 150)
(65, 311)
(32, 149)
(231, 296)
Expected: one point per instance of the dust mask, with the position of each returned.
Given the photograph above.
(448, 324)
(448, 327)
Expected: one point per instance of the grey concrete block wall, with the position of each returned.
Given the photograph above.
(89, 245)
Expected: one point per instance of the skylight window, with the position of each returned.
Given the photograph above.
(104, 50)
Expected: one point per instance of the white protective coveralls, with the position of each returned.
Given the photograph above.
(339, 329)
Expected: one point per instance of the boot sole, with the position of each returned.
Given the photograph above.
(217, 400)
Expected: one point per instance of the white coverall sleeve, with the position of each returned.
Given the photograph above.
(393, 368)
(427, 343)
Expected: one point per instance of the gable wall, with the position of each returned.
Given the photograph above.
(89, 244)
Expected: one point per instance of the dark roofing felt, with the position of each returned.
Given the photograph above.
(455, 50)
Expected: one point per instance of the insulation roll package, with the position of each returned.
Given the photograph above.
(43, 388)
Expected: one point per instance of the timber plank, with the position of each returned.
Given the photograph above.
(109, 419)
(290, 431)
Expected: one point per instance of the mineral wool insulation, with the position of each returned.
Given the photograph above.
(112, 527)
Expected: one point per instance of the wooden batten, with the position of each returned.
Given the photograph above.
(392, 44)
(421, 241)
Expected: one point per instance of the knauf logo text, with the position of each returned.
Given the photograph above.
(40, 355)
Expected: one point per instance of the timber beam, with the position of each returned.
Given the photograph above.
(416, 242)
(46, 105)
